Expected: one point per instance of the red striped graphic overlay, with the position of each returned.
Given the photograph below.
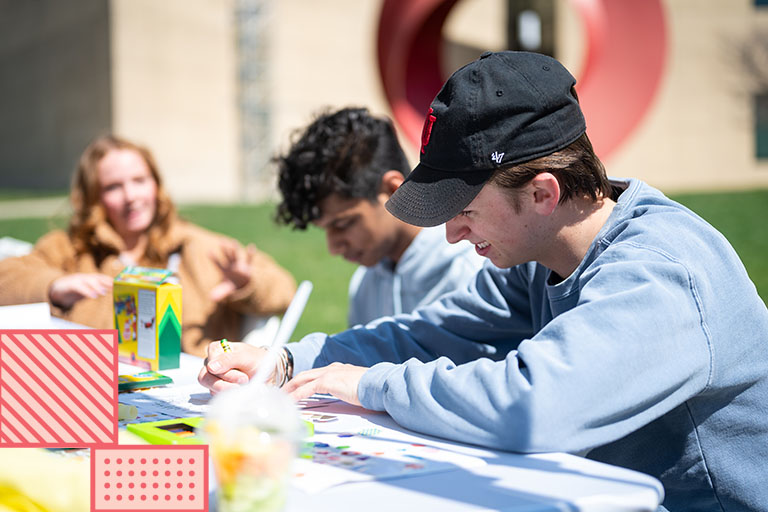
(58, 388)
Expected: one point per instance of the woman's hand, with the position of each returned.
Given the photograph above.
(65, 291)
(235, 265)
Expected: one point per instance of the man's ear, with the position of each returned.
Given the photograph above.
(546, 192)
(390, 181)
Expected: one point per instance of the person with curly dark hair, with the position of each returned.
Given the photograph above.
(337, 175)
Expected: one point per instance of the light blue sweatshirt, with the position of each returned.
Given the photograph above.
(652, 355)
(428, 268)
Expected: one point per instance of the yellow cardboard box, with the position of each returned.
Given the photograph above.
(147, 305)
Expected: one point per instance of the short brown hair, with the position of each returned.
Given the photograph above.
(577, 168)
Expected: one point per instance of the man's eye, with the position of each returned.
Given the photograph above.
(343, 224)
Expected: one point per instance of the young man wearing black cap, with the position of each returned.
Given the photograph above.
(617, 323)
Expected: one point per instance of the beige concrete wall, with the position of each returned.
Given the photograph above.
(170, 76)
(174, 89)
(54, 89)
(480, 24)
(472, 27)
(324, 54)
(168, 87)
(698, 134)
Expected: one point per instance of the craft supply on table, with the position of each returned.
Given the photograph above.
(170, 432)
(147, 316)
(126, 412)
(142, 380)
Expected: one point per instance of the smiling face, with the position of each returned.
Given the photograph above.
(361, 231)
(506, 235)
(128, 192)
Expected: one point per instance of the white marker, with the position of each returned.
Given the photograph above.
(284, 332)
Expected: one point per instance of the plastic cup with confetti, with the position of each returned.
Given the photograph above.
(253, 433)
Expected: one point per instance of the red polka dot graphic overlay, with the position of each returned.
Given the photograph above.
(150, 478)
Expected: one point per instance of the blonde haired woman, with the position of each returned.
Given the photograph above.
(123, 216)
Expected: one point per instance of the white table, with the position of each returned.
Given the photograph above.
(508, 482)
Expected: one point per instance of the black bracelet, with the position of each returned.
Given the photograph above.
(289, 365)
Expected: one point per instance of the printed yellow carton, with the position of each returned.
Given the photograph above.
(147, 307)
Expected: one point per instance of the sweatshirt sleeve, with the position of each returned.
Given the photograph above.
(633, 347)
(458, 325)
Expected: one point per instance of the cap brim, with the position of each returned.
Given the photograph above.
(429, 197)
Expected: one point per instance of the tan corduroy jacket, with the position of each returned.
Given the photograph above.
(26, 279)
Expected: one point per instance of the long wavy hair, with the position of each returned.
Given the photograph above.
(88, 212)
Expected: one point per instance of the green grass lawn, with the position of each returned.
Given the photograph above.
(740, 216)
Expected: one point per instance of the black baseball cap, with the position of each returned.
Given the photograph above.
(501, 109)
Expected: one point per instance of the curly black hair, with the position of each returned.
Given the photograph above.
(344, 152)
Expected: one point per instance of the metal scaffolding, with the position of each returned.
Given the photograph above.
(253, 20)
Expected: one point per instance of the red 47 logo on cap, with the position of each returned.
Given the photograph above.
(427, 130)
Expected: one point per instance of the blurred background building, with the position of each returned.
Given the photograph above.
(675, 91)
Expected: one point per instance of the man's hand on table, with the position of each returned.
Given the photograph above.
(338, 379)
(222, 370)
